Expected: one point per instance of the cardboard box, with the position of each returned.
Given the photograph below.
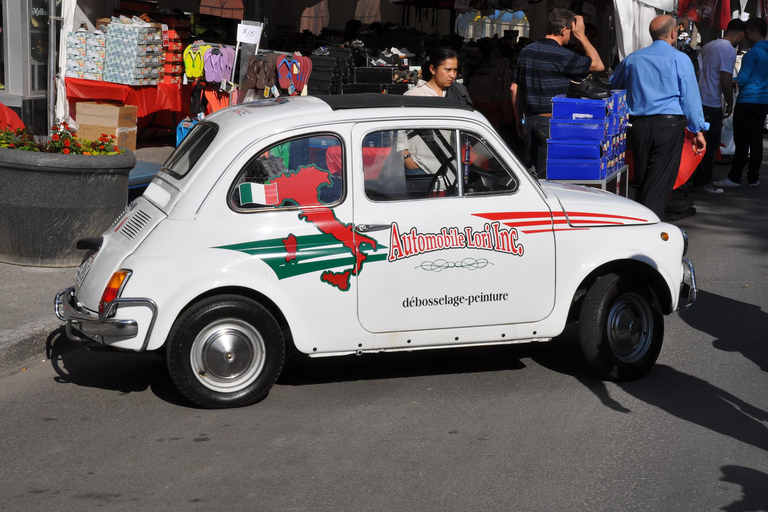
(125, 137)
(105, 114)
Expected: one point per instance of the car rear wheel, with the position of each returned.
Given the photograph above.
(621, 328)
(225, 351)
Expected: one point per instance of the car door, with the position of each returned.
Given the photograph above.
(293, 217)
(462, 240)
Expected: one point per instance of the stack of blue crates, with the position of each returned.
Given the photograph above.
(588, 138)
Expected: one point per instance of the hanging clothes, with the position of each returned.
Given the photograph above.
(632, 20)
(715, 13)
(216, 99)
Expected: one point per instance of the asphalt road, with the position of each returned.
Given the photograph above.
(505, 428)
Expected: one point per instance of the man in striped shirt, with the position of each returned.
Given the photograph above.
(544, 70)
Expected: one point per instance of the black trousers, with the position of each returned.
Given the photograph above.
(703, 174)
(657, 144)
(748, 122)
(536, 135)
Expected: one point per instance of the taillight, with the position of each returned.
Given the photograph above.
(115, 285)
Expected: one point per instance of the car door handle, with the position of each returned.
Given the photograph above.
(365, 228)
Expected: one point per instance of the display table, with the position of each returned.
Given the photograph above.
(149, 99)
(616, 182)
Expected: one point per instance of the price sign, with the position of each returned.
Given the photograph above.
(248, 33)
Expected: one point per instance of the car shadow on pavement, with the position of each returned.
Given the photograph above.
(736, 326)
(754, 485)
(302, 370)
(91, 365)
(680, 395)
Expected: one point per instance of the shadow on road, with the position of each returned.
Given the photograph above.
(301, 370)
(754, 484)
(680, 395)
(91, 365)
(737, 326)
(736, 217)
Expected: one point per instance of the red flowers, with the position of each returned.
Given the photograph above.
(61, 141)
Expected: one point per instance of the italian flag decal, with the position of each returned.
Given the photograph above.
(255, 193)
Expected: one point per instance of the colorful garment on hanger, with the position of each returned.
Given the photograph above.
(217, 100)
(716, 13)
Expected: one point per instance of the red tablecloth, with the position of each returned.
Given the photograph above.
(149, 99)
(9, 118)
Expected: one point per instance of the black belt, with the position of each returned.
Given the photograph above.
(658, 116)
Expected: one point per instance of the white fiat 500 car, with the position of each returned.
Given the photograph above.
(361, 224)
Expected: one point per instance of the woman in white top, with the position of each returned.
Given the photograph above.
(438, 74)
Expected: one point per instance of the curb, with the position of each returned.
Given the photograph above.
(23, 347)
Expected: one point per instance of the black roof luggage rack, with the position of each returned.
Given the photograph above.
(375, 100)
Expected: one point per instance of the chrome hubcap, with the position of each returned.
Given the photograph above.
(228, 355)
(630, 328)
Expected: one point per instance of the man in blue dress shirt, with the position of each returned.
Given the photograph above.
(662, 96)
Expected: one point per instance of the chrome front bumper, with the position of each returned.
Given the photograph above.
(688, 290)
(84, 325)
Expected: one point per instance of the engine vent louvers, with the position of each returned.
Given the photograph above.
(135, 224)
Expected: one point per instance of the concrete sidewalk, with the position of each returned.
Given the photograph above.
(27, 318)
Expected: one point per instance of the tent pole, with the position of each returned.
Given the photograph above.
(52, 65)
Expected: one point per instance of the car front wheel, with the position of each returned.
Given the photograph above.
(621, 328)
(225, 351)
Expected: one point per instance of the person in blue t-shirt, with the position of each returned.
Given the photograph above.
(751, 107)
(663, 97)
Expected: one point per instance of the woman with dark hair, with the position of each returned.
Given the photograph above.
(438, 77)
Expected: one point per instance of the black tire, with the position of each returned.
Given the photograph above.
(225, 351)
(621, 328)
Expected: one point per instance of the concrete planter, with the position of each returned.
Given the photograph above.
(49, 201)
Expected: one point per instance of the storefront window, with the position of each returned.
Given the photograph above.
(38, 39)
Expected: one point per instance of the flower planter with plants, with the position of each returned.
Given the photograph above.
(56, 192)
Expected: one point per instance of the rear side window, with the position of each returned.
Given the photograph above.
(184, 158)
(302, 172)
(410, 164)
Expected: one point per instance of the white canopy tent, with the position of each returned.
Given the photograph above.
(72, 17)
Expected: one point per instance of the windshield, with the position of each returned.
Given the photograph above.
(184, 158)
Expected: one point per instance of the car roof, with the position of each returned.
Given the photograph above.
(286, 112)
(375, 100)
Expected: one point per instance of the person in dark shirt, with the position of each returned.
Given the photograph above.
(544, 70)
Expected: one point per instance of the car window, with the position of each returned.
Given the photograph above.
(428, 171)
(184, 157)
(484, 172)
(306, 171)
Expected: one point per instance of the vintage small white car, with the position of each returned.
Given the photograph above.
(361, 224)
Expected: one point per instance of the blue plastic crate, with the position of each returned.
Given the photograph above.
(577, 169)
(578, 149)
(564, 107)
(579, 129)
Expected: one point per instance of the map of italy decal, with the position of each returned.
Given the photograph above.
(337, 245)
